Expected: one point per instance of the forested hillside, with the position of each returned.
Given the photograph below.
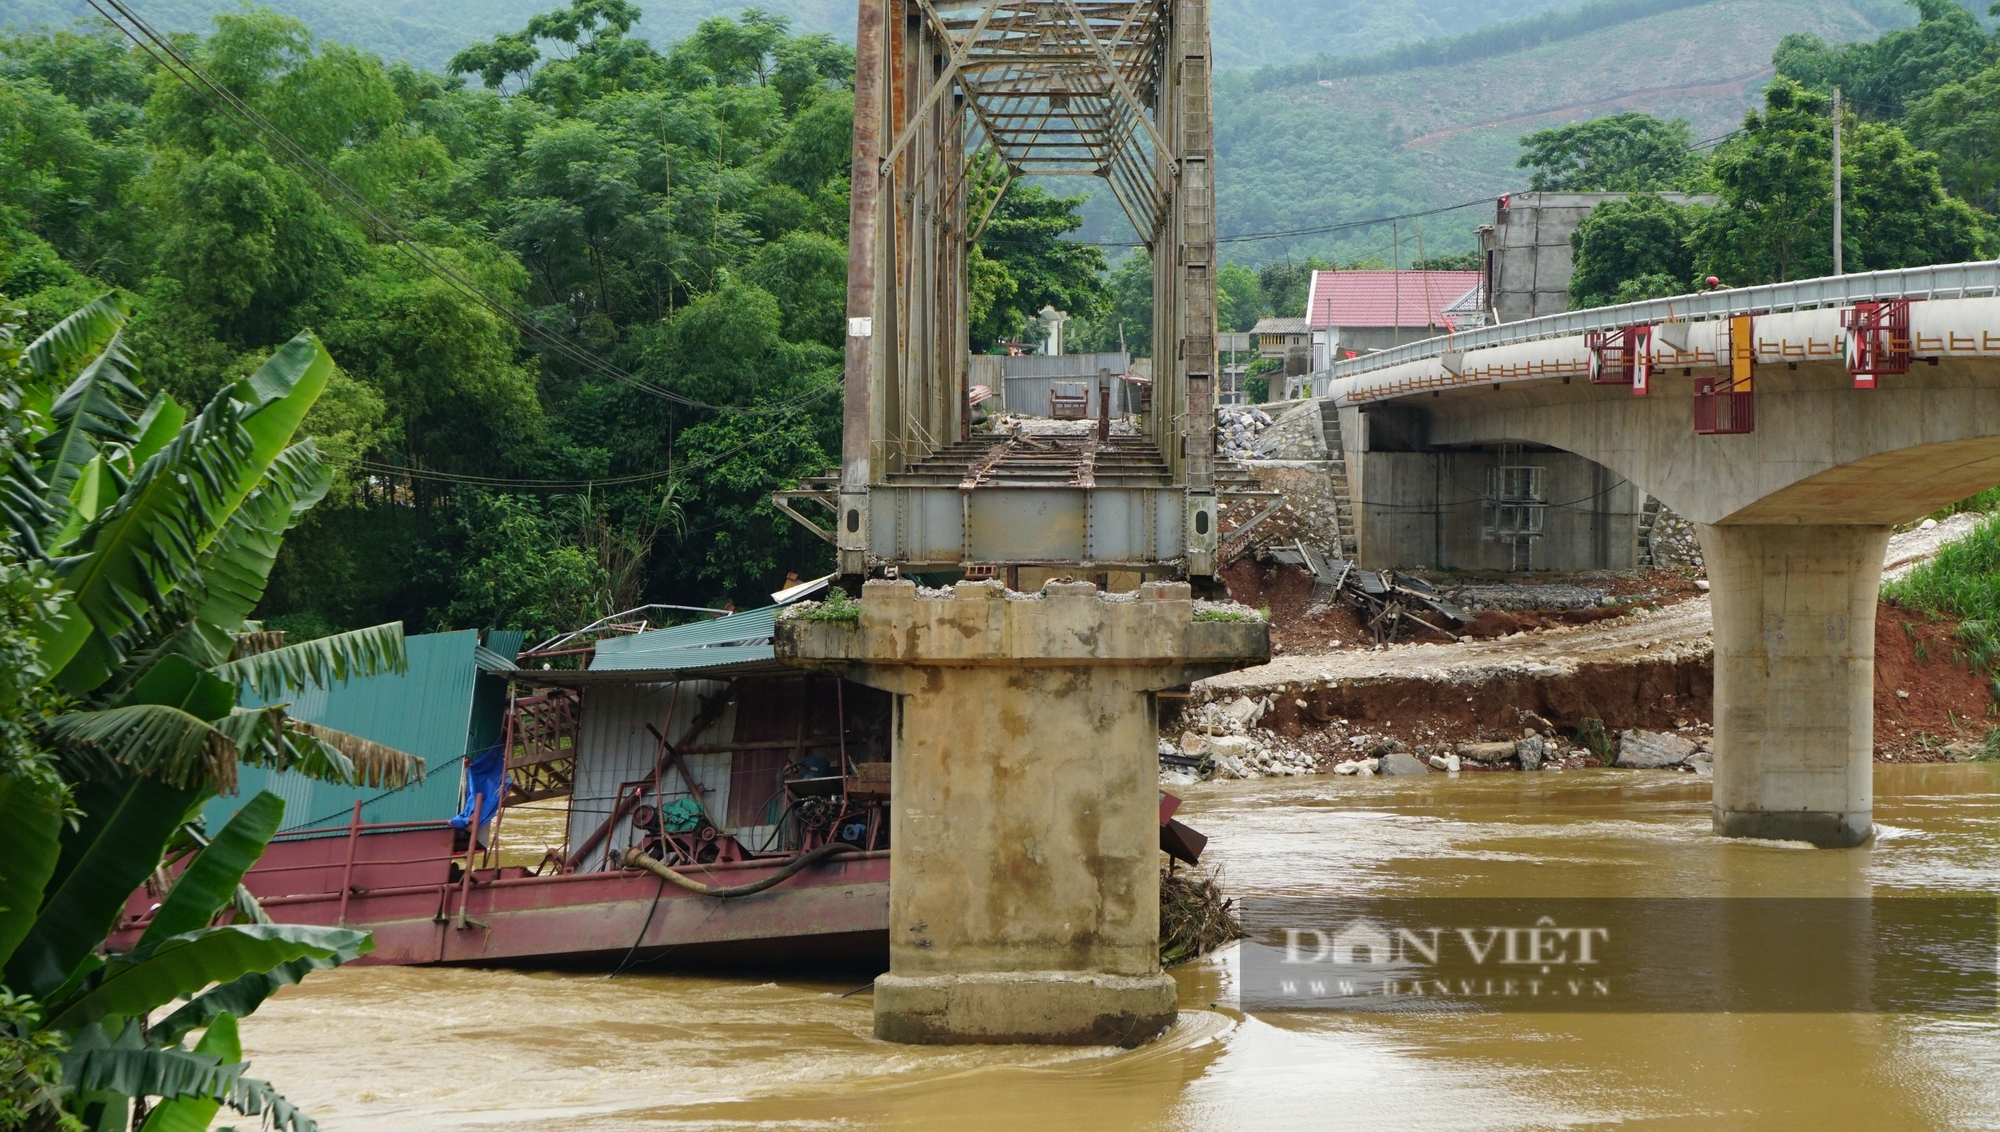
(428, 32)
(1420, 130)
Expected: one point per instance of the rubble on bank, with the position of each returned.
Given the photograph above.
(1290, 430)
(1226, 739)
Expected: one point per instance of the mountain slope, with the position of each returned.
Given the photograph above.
(427, 32)
(1314, 154)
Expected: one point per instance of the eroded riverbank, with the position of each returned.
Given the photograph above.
(394, 1048)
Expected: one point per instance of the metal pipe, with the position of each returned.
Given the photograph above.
(634, 859)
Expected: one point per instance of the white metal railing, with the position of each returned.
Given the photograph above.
(1952, 280)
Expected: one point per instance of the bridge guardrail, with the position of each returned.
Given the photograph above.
(1954, 280)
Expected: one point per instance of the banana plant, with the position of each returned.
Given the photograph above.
(152, 532)
(102, 1006)
(160, 530)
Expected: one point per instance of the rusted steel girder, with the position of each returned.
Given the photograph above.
(954, 100)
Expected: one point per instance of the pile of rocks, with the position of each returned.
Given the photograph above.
(1507, 596)
(1674, 544)
(1236, 431)
(1655, 750)
(1225, 737)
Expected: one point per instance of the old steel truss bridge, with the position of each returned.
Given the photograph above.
(943, 88)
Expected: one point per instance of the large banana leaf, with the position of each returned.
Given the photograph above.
(318, 663)
(208, 884)
(369, 763)
(179, 682)
(126, 1066)
(158, 741)
(91, 411)
(279, 394)
(150, 543)
(236, 566)
(104, 860)
(146, 978)
(242, 996)
(193, 1114)
(29, 844)
(160, 423)
(123, 564)
(68, 344)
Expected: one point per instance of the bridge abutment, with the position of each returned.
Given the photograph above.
(1794, 615)
(1024, 838)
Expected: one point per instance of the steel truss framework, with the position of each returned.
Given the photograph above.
(1114, 90)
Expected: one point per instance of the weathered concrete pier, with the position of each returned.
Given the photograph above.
(1024, 842)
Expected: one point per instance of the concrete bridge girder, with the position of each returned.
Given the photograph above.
(1793, 517)
(1823, 451)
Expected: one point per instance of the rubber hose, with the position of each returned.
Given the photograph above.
(634, 859)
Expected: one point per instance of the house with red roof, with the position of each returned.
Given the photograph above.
(1353, 312)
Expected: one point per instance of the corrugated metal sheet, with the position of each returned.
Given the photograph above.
(1029, 396)
(614, 747)
(734, 639)
(1065, 365)
(426, 711)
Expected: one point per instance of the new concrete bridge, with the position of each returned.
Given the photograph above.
(1795, 425)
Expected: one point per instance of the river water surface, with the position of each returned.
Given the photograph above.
(411, 1048)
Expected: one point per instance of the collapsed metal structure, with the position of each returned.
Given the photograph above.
(1116, 90)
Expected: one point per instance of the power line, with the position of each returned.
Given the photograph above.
(1348, 225)
(169, 57)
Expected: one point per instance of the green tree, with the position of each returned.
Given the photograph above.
(1285, 284)
(618, 197)
(1960, 122)
(1620, 242)
(1880, 78)
(1775, 221)
(1127, 321)
(1025, 240)
(523, 568)
(1239, 297)
(738, 545)
(1629, 152)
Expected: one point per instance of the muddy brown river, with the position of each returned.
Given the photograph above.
(410, 1048)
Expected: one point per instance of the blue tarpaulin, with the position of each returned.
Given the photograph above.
(483, 775)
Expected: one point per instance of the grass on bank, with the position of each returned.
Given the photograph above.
(1963, 582)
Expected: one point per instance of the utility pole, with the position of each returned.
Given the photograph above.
(1839, 267)
(1395, 284)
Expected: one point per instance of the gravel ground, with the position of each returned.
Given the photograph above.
(1908, 549)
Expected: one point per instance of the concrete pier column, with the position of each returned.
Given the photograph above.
(1794, 610)
(1024, 842)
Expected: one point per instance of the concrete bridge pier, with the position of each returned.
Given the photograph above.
(1024, 837)
(1794, 613)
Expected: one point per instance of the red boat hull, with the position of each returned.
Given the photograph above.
(399, 883)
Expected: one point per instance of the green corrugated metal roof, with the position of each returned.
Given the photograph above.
(427, 711)
(735, 639)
